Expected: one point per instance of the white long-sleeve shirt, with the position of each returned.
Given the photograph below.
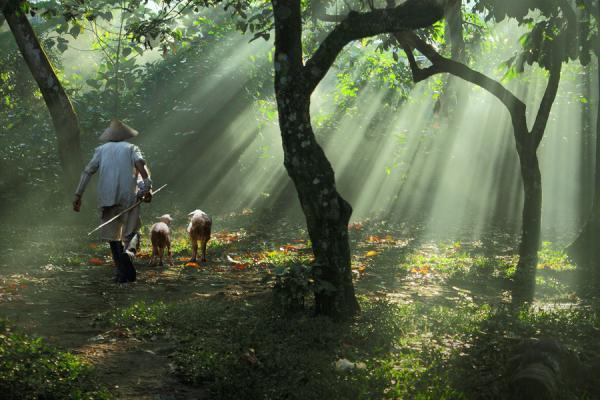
(117, 177)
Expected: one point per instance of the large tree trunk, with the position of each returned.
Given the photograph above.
(62, 112)
(531, 224)
(327, 213)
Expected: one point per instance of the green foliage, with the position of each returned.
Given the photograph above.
(552, 34)
(293, 283)
(144, 319)
(553, 258)
(31, 369)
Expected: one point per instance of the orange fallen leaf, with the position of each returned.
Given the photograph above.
(192, 264)
(373, 239)
(289, 247)
(422, 270)
(357, 226)
(241, 267)
(184, 259)
(371, 253)
(96, 261)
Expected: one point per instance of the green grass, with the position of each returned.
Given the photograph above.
(31, 369)
(246, 349)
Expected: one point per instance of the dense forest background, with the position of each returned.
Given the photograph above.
(206, 110)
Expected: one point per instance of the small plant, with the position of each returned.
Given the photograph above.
(292, 285)
(143, 319)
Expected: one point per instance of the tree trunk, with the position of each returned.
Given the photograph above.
(585, 250)
(60, 108)
(531, 223)
(327, 213)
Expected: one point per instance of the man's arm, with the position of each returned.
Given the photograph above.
(145, 192)
(86, 175)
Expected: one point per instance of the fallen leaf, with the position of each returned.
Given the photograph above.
(371, 253)
(192, 264)
(357, 226)
(96, 261)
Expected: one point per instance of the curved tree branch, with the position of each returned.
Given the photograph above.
(411, 14)
(541, 119)
(441, 64)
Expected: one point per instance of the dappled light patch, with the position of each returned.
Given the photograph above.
(226, 237)
(11, 288)
(553, 258)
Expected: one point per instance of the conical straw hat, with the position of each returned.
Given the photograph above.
(118, 131)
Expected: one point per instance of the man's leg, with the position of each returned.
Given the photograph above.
(112, 234)
(116, 248)
(131, 238)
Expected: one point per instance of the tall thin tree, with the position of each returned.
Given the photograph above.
(59, 105)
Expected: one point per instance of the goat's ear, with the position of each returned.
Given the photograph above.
(192, 213)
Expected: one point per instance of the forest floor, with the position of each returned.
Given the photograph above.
(435, 320)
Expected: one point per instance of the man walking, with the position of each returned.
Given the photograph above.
(119, 163)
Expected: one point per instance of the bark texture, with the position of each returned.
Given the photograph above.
(61, 110)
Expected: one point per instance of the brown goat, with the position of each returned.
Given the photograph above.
(199, 230)
(160, 238)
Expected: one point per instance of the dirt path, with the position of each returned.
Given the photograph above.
(69, 301)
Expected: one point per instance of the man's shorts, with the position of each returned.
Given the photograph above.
(123, 226)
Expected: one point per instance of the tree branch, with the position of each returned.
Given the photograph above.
(441, 64)
(541, 119)
(418, 74)
(411, 14)
(288, 41)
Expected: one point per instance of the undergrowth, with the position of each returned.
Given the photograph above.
(244, 349)
(32, 369)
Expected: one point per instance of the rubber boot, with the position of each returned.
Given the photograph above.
(128, 256)
(116, 249)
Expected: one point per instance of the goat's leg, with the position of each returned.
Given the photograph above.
(194, 250)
